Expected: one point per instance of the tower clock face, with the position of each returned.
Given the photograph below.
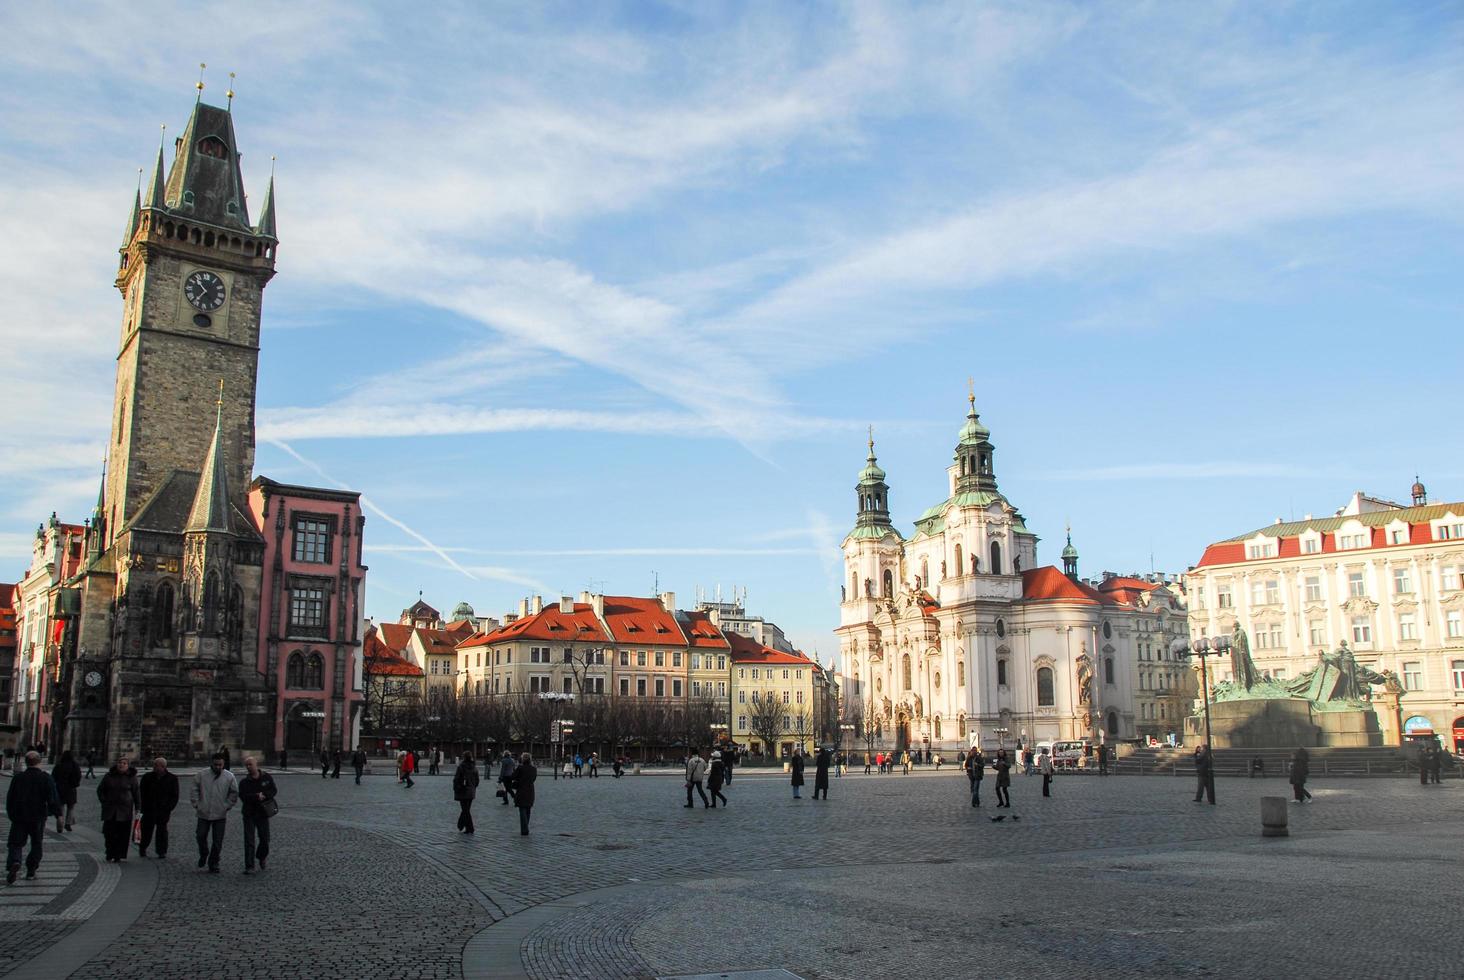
(204, 290)
(93, 679)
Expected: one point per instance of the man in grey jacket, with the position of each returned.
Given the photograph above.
(214, 794)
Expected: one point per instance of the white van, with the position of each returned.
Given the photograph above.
(1067, 754)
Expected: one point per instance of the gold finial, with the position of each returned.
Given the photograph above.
(271, 166)
(230, 93)
(871, 440)
(971, 392)
(139, 180)
(199, 86)
(220, 401)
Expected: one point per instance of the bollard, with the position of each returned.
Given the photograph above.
(1273, 816)
(636, 770)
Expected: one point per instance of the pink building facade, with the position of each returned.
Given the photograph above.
(311, 625)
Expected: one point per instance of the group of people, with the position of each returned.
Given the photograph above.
(516, 783)
(139, 809)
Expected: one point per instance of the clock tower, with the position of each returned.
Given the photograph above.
(192, 275)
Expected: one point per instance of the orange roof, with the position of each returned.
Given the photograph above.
(701, 632)
(437, 642)
(1049, 584)
(392, 666)
(746, 650)
(645, 621)
(394, 636)
(461, 629)
(549, 624)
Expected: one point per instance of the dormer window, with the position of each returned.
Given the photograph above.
(212, 146)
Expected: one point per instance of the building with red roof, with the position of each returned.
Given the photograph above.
(957, 635)
(773, 708)
(1383, 579)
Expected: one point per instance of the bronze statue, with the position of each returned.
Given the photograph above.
(1242, 668)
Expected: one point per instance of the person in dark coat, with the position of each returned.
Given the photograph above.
(1300, 769)
(1003, 780)
(464, 789)
(505, 775)
(1203, 784)
(91, 762)
(522, 790)
(797, 766)
(821, 773)
(67, 774)
(975, 772)
(729, 761)
(335, 764)
(224, 751)
(358, 763)
(1435, 763)
(255, 789)
(158, 795)
(31, 798)
(324, 764)
(119, 798)
(716, 775)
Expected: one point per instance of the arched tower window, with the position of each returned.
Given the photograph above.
(924, 572)
(1108, 670)
(889, 584)
(295, 671)
(162, 613)
(211, 603)
(958, 559)
(315, 672)
(961, 673)
(1112, 723)
(905, 670)
(1001, 678)
(996, 558)
(1045, 696)
(937, 728)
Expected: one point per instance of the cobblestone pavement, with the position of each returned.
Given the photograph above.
(894, 876)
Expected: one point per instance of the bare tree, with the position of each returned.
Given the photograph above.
(802, 724)
(766, 721)
(700, 715)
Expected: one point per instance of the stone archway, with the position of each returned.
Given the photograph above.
(902, 730)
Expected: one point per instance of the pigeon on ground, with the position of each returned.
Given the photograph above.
(998, 819)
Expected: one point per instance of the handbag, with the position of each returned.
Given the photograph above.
(270, 807)
(137, 830)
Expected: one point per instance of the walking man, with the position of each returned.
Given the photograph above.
(335, 764)
(324, 763)
(714, 780)
(67, 775)
(696, 767)
(821, 774)
(158, 794)
(358, 763)
(729, 761)
(118, 795)
(91, 761)
(31, 798)
(409, 766)
(257, 790)
(975, 772)
(464, 789)
(506, 768)
(1044, 764)
(524, 775)
(1300, 769)
(797, 767)
(213, 795)
(1003, 779)
(1204, 785)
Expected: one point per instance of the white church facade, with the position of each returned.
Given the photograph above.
(957, 636)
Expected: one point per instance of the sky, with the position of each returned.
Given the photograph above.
(605, 296)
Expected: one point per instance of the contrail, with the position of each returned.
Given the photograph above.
(367, 504)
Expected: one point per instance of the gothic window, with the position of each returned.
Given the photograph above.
(996, 557)
(315, 673)
(889, 584)
(1108, 670)
(961, 673)
(211, 603)
(162, 613)
(905, 670)
(295, 671)
(958, 558)
(1045, 696)
(312, 540)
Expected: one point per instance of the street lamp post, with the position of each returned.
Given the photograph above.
(557, 698)
(1205, 647)
(1001, 734)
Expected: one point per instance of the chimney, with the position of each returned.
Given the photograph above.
(598, 601)
(715, 615)
(523, 609)
(584, 598)
(538, 606)
(668, 601)
(566, 604)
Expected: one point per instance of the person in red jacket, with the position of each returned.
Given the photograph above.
(409, 766)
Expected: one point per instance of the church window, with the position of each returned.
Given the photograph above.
(905, 670)
(312, 540)
(295, 671)
(211, 603)
(961, 727)
(958, 558)
(162, 613)
(961, 673)
(937, 728)
(1045, 695)
(1112, 723)
(1001, 677)
(936, 680)
(1108, 670)
(889, 584)
(315, 673)
(854, 584)
(996, 558)
(924, 571)
(212, 146)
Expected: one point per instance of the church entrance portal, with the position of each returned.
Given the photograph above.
(902, 733)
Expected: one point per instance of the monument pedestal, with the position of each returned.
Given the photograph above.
(1260, 723)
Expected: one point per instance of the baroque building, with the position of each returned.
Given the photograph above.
(1382, 578)
(170, 634)
(956, 635)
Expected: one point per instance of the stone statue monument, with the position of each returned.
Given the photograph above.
(1242, 668)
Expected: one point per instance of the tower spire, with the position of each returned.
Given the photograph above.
(156, 194)
(975, 472)
(266, 226)
(135, 218)
(1070, 556)
(210, 510)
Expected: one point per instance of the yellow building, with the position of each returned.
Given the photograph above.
(772, 698)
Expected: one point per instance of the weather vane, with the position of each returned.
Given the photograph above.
(199, 86)
(230, 93)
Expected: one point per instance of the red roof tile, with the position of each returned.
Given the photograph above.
(701, 632)
(1049, 584)
(394, 636)
(645, 621)
(392, 666)
(550, 624)
(746, 650)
